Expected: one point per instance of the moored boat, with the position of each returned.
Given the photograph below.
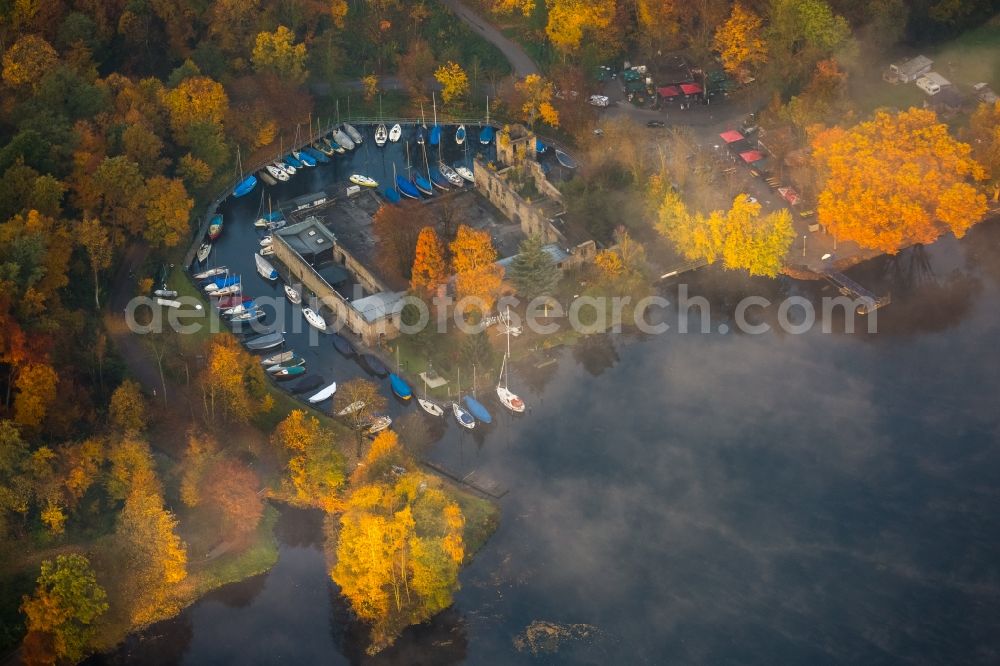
(477, 409)
(315, 320)
(364, 181)
(264, 268)
(343, 345)
(453, 177)
(324, 394)
(399, 387)
(265, 341)
(275, 172)
(304, 157)
(248, 316)
(374, 365)
(293, 295)
(220, 283)
(165, 293)
(267, 251)
(215, 226)
(391, 195)
(275, 359)
(293, 362)
(266, 177)
(353, 133)
(316, 154)
(430, 407)
(460, 135)
(324, 148)
(439, 181)
(286, 167)
(245, 186)
(210, 273)
(230, 290)
(266, 240)
(292, 161)
(465, 173)
(378, 424)
(242, 306)
(566, 160)
(464, 418)
(288, 373)
(396, 133)
(381, 135)
(309, 383)
(341, 138)
(423, 185)
(351, 408)
(406, 188)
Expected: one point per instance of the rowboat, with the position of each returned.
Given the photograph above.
(460, 135)
(293, 295)
(211, 272)
(264, 268)
(353, 133)
(450, 174)
(204, 251)
(399, 387)
(396, 133)
(465, 173)
(364, 181)
(378, 424)
(309, 383)
(293, 362)
(463, 417)
(381, 135)
(314, 319)
(275, 359)
(215, 227)
(288, 373)
(351, 408)
(265, 341)
(323, 394)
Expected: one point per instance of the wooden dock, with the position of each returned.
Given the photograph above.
(849, 287)
(484, 486)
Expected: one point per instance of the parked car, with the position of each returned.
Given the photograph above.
(599, 100)
(656, 123)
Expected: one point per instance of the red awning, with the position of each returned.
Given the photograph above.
(752, 156)
(669, 91)
(691, 88)
(789, 195)
(732, 136)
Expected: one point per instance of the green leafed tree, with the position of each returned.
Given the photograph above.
(533, 271)
(66, 605)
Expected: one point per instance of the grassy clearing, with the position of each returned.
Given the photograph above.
(481, 518)
(259, 556)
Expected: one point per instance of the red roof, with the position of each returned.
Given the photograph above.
(669, 91)
(691, 88)
(752, 156)
(789, 194)
(732, 136)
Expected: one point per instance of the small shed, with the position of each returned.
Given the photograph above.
(910, 70)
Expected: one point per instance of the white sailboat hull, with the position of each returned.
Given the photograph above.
(324, 393)
(314, 319)
(431, 408)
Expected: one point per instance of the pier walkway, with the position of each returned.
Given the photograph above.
(849, 287)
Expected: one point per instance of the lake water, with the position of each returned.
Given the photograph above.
(751, 499)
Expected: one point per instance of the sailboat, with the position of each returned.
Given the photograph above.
(464, 418)
(396, 133)
(301, 155)
(486, 134)
(475, 407)
(246, 185)
(315, 320)
(211, 273)
(293, 295)
(398, 385)
(391, 193)
(381, 135)
(435, 137)
(429, 406)
(451, 174)
(460, 135)
(204, 251)
(422, 129)
(424, 184)
(465, 173)
(406, 188)
(508, 398)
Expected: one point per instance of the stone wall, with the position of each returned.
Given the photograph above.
(372, 333)
(531, 216)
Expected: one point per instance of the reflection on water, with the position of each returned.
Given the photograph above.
(752, 499)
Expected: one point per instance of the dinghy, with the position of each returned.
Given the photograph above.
(396, 133)
(264, 267)
(324, 394)
(215, 227)
(351, 408)
(314, 319)
(204, 251)
(381, 135)
(293, 295)
(288, 373)
(210, 273)
(463, 417)
(460, 135)
(465, 173)
(378, 424)
(293, 362)
(364, 181)
(310, 383)
(275, 359)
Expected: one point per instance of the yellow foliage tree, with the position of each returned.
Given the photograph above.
(36, 391)
(369, 84)
(477, 275)
(195, 99)
(315, 465)
(168, 211)
(609, 263)
(276, 52)
(570, 20)
(454, 82)
(740, 42)
(537, 96)
(28, 60)
(128, 408)
(200, 451)
(896, 180)
(338, 12)
(984, 135)
(132, 468)
(233, 382)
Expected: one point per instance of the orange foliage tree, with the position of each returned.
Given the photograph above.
(477, 274)
(429, 270)
(896, 180)
(229, 488)
(398, 228)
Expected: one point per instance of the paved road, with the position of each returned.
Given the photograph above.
(520, 61)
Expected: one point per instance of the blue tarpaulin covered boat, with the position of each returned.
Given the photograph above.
(316, 155)
(423, 184)
(435, 135)
(406, 188)
(486, 135)
(476, 409)
(400, 387)
(245, 186)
